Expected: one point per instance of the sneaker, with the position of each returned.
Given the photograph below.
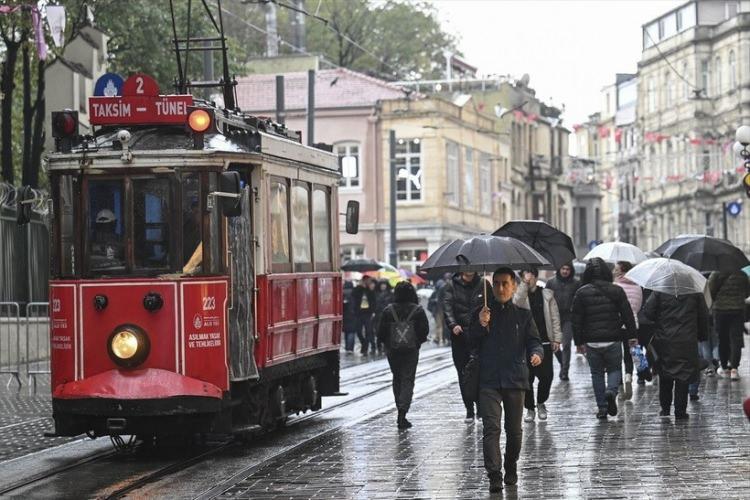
(628, 387)
(530, 416)
(681, 416)
(496, 483)
(710, 372)
(511, 474)
(694, 397)
(564, 377)
(734, 374)
(722, 372)
(469, 417)
(542, 411)
(602, 414)
(664, 413)
(611, 404)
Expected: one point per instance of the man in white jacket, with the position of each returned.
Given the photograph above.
(546, 315)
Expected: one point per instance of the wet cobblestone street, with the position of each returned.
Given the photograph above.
(571, 455)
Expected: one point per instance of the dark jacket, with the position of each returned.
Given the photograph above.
(349, 320)
(682, 323)
(460, 299)
(506, 346)
(382, 299)
(601, 308)
(565, 289)
(419, 318)
(729, 290)
(357, 294)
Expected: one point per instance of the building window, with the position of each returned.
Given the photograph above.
(452, 178)
(349, 165)
(351, 252)
(651, 95)
(409, 169)
(411, 258)
(469, 195)
(485, 183)
(732, 71)
(668, 90)
(82, 94)
(717, 76)
(705, 77)
(686, 85)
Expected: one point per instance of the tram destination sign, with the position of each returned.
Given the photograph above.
(139, 104)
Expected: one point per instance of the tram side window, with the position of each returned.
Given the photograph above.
(322, 228)
(67, 212)
(106, 227)
(279, 222)
(192, 249)
(301, 226)
(151, 228)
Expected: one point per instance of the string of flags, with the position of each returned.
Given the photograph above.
(604, 132)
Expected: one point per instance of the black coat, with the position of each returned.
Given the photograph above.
(349, 320)
(682, 323)
(419, 318)
(460, 299)
(565, 289)
(505, 347)
(357, 294)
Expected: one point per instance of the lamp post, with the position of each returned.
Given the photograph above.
(392, 254)
(743, 138)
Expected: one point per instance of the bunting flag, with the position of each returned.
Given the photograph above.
(618, 135)
(56, 23)
(577, 127)
(603, 132)
(36, 22)
(531, 117)
(518, 114)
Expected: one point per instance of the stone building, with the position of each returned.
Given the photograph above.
(694, 91)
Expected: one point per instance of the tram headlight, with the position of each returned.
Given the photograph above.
(199, 120)
(128, 346)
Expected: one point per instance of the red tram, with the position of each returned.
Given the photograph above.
(195, 283)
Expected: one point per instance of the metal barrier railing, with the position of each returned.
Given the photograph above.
(37, 341)
(10, 341)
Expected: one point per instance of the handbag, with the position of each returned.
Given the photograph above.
(470, 378)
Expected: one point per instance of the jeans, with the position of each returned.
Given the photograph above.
(404, 369)
(601, 360)
(491, 404)
(545, 374)
(563, 355)
(709, 348)
(627, 358)
(666, 384)
(461, 355)
(364, 322)
(349, 340)
(729, 325)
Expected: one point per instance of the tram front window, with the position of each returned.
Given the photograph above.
(106, 226)
(151, 210)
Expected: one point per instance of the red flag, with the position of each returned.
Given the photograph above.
(531, 117)
(696, 142)
(603, 132)
(618, 135)
(518, 114)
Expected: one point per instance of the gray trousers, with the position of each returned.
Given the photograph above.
(563, 355)
(491, 404)
(404, 369)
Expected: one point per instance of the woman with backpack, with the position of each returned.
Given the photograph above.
(402, 329)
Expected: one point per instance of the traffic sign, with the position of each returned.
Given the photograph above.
(108, 85)
(734, 208)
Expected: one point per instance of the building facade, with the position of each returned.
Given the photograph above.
(694, 91)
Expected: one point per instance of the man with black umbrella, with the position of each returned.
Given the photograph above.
(506, 337)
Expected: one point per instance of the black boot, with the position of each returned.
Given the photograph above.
(402, 423)
(511, 474)
(496, 482)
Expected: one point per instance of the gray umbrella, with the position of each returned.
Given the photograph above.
(667, 276)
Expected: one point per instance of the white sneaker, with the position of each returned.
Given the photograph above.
(721, 372)
(710, 372)
(542, 411)
(734, 374)
(530, 415)
(628, 393)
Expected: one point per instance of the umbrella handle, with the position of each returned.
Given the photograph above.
(484, 283)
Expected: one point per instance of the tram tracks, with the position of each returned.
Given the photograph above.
(367, 385)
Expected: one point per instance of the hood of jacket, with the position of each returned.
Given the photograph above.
(572, 273)
(596, 270)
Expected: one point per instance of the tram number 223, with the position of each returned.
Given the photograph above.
(209, 303)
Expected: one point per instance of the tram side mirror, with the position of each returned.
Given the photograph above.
(352, 217)
(229, 194)
(24, 199)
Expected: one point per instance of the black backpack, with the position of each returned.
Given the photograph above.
(403, 336)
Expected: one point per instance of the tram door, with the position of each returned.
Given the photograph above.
(241, 320)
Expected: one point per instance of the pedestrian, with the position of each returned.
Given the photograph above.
(402, 329)
(600, 310)
(646, 330)
(729, 291)
(435, 306)
(505, 337)
(682, 321)
(634, 293)
(349, 321)
(543, 307)
(363, 302)
(461, 296)
(565, 285)
(383, 298)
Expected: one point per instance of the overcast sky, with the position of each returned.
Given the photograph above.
(569, 48)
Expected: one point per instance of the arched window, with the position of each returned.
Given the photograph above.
(732, 71)
(717, 76)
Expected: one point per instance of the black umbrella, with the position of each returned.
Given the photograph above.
(705, 253)
(444, 256)
(671, 244)
(553, 244)
(361, 265)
